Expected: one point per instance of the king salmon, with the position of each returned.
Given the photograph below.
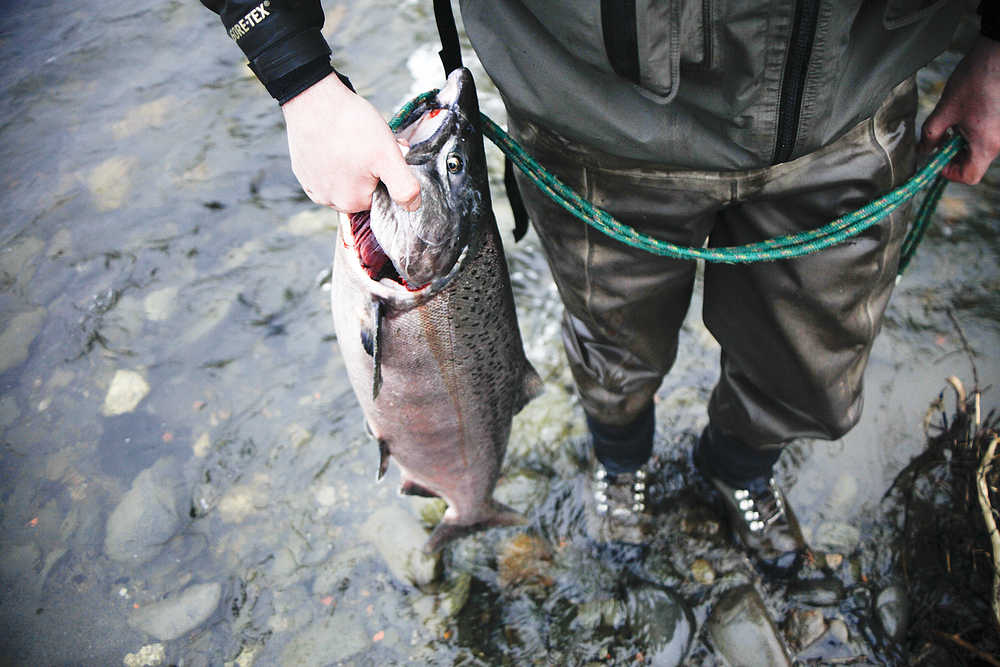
(425, 321)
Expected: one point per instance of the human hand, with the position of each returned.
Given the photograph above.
(341, 147)
(970, 102)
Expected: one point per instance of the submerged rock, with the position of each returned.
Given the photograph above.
(741, 630)
(17, 337)
(525, 560)
(893, 611)
(662, 623)
(148, 656)
(399, 539)
(174, 617)
(328, 640)
(804, 627)
(160, 305)
(818, 592)
(127, 390)
(149, 514)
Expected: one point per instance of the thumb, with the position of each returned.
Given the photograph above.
(934, 129)
(402, 185)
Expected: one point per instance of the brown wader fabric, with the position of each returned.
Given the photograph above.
(795, 334)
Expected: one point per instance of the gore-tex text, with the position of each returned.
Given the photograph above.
(252, 18)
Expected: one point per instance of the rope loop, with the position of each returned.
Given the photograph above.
(782, 247)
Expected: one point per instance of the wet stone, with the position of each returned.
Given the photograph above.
(150, 655)
(742, 631)
(804, 626)
(702, 572)
(111, 181)
(662, 623)
(160, 305)
(893, 611)
(525, 560)
(836, 536)
(399, 539)
(127, 390)
(315, 220)
(149, 514)
(17, 337)
(176, 616)
(328, 640)
(824, 592)
(20, 562)
(9, 412)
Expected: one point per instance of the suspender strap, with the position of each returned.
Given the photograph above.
(451, 51)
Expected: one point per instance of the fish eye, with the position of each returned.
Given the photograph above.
(454, 163)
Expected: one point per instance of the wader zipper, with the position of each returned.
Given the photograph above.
(794, 80)
(620, 37)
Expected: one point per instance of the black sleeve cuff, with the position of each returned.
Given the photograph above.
(288, 86)
(989, 15)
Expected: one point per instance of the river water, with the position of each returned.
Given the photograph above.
(180, 440)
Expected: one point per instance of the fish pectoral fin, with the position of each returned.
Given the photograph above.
(531, 386)
(383, 461)
(371, 342)
(411, 488)
(446, 531)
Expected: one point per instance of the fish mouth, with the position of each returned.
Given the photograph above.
(428, 123)
(426, 130)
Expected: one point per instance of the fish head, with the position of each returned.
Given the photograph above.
(446, 155)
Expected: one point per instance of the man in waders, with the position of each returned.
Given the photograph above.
(693, 122)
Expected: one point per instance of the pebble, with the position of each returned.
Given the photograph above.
(838, 631)
(525, 560)
(176, 616)
(9, 412)
(893, 611)
(17, 337)
(202, 446)
(150, 655)
(111, 181)
(148, 515)
(242, 501)
(661, 622)
(315, 220)
(20, 261)
(145, 116)
(702, 572)
(20, 562)
(836, 536)
(160, 305)
(741, 630)
(127, 390)
(399, 539)
(328, 640)
(818, 592)
(804, 627)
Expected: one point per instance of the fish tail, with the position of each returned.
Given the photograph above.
(447, 530)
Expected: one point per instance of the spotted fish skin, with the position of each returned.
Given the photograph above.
(452, 364)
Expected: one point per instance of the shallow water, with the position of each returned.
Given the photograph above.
(154, 228)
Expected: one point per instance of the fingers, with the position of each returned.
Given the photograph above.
(402, 185)
(934, 129)
(968, 166)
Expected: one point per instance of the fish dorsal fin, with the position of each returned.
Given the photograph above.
(531, 386)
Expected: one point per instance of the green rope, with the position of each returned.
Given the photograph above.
(783, 247)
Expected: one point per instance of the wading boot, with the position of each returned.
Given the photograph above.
(759, 517)
(617, 506)
(619, 471)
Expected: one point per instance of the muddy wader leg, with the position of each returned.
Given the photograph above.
(796, 334)
(623, 306)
